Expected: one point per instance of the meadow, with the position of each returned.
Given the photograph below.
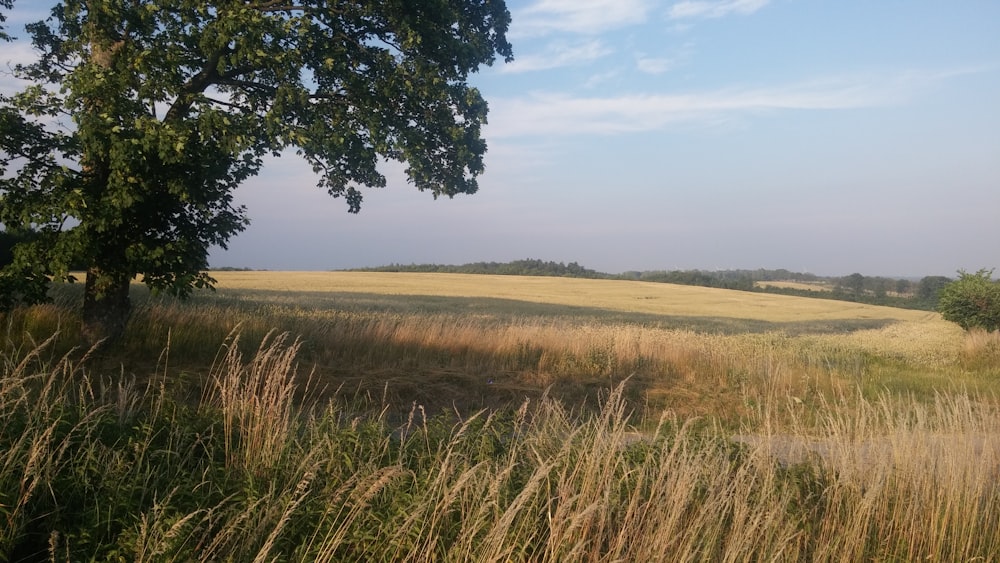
(387, 416)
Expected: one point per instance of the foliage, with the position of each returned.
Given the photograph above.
(855, 283)
(13, 290)
(8, 240)
(972, 301)
(172, 104)
(7, 4)
(526, 267)
(725, 279)
(929, 289)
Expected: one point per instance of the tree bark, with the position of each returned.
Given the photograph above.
(106, 307)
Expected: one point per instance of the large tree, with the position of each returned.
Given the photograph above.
(143, 116)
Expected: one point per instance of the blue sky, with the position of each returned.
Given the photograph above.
(830, 136)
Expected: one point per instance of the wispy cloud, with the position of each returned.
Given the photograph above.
(652, 65)
(551, 114)
(714, 8)
(559, 54)
(602, 78)
(578, 16)
(658, 65)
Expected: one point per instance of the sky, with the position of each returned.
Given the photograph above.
(822, 136)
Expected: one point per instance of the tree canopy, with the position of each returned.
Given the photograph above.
(972, 301)
(143, 116)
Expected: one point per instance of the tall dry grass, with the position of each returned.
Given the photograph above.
(981, 351)
(477, 352)
(100, 468)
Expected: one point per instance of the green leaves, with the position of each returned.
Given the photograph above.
(6, 4)
(972, 301)
(174, 103)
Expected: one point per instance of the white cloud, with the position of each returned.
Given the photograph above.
(551, 114)
(558, 55)
(601, 78)
(659, 65)
(714, 8)
(650, 65)
(15, 53)
(18, 52)
(578, 16)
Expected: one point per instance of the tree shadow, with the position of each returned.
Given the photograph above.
(452, 379)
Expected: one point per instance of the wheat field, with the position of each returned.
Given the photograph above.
(679, 339)
(612, 295)
(481, 341)
(892, 331)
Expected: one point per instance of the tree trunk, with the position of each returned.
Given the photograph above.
(106, 306)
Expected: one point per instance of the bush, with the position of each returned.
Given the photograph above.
(972, 301)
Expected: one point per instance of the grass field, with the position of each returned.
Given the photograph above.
(470, 341)
(599, 295)
(624, 421)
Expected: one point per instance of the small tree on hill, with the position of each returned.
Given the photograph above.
(972, 301)
(144, 115)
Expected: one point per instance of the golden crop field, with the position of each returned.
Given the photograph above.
(917, 335)
(611, 295)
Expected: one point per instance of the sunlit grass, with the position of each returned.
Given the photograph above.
(414, 417)
(260, 469)
(468, 342)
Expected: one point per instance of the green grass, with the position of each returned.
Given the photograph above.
(388, 421)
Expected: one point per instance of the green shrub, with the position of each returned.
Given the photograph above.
(972, 301)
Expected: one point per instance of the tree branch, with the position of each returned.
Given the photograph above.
(247, 84)
(195, 85)
(224, 103)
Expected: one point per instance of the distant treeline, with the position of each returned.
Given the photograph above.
(876, 290)
(908, 294)
(528, 267)
(745, 280)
